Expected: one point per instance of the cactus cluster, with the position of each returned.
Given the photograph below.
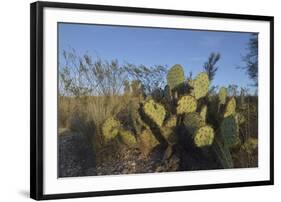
(159, 118)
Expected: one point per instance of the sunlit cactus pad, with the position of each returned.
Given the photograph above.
(110, 128)
(200, 85)
(155, 111)
(204, 136)
(171, 122)
(128, 138)
(230, 107)
(230, 131)
(222, 95)
(175, 76)
(186, 104)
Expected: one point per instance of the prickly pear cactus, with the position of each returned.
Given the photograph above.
(175, 76)
(128, 138)
(230, 108)
(222, 95)
(154, 111)
(186, 104)
(230, 131)
(200, 85)
(204, 136)
(147, 141)
(110, 128)
(203, 112)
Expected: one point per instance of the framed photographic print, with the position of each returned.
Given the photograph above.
(136, 100)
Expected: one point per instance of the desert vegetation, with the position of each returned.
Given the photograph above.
(137, 119)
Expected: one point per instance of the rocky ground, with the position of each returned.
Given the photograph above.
(77, 158)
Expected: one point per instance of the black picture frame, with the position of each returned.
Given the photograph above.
(36, 98)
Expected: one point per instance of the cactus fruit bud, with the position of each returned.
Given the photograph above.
(155, 111)
(186, 104)
(230, 108)
(175, 76)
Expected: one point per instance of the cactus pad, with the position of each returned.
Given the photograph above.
(200, 85)
(175, 76)
(204, 136)
(148, 141)
(186, 104)
(128, 138)
(193, 121)
(222, 95)
(171, 122)
(110, 128)
(154, 111)
(230, 107)
(230, 131)
(203, 112)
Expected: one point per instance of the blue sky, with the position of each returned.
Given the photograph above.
(153, 46)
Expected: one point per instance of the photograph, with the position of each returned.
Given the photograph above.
(138, 100)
